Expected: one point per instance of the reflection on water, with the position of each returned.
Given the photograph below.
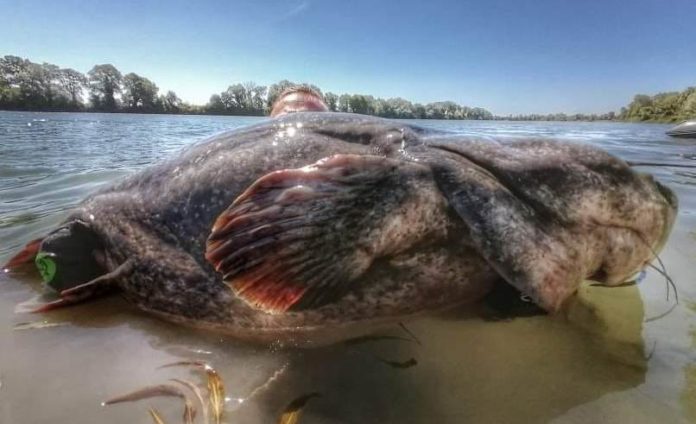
(604, 360)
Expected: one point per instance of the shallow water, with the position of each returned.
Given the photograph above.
(609, 358)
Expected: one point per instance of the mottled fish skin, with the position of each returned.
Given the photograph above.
(547, 215)
(161, 218)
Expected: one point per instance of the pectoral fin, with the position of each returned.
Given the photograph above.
(525, 246)
(300, 238)
(25, 256)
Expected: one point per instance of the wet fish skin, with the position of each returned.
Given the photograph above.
(540, 214)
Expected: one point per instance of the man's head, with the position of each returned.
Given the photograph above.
(298, 99)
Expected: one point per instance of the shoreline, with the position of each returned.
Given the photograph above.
(497, 118)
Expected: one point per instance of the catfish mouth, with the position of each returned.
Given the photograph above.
(71, 263)
(70, 256)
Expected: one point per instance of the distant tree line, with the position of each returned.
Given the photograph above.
(609, 116)
(25, 85)
(662, 107)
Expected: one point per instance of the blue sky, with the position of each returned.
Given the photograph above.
(509, 56)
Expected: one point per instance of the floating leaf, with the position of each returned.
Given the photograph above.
(189, 363)
(292, 412)
(197, 392)
(148, 392)
(168, 390)
(35, 325)
(216, 388)
(189, 413)
(156, 418)
(216, 391)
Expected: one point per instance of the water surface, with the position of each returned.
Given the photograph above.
(609, 358)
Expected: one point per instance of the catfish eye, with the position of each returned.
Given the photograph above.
(67, 256)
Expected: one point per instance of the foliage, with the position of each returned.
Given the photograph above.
(25, 85)
(171, 103)
(73, 82)
(331, 100)
(248, 98)
(239, 99)
(104, 83)
(662, 107)
(402, 108)
(139, 93)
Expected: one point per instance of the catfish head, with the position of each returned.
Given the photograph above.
(547, 215)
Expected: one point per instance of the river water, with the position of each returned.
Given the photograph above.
(613, 356)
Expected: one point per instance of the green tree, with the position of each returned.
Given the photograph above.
(344, 103)
(11, 69)
(171, 103)
(255, 97)
(72, 82)
(27, 85)
(331, 100)
(139, 93)
(47, 79)
(215, 104)
(361, 104)
(689, 107)
(419, 111)
(104, 83)
(234, 98)
(380, 107)
(402, 108)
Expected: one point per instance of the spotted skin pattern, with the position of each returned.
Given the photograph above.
(538, 214)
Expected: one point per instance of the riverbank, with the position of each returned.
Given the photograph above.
(194, 113)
